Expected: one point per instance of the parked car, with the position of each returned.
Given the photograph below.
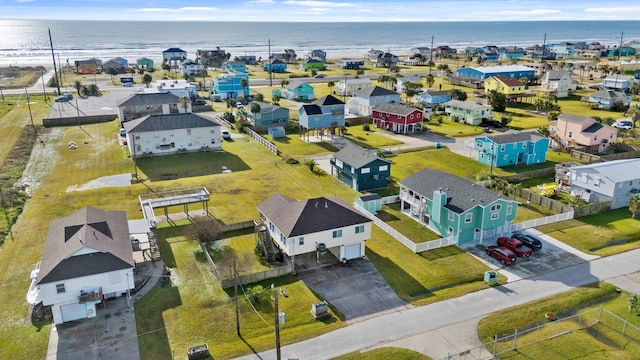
(515, 245)
(493, 123)
(199, 101)
(239, 105)
(63, 98)
(319, 76)
(122, 132)
(226, 135)
(502, 254)
(623, 124)
(529, 240)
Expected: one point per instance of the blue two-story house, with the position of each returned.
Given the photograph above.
(433, 98)
(326, 112)
(455, 207)
(360, 169)
(512, 149)
(236, 66)
(276, 66)
(229, 85)
(484, 72)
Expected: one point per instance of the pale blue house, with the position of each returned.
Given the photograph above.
(299, 91)
(326, 112)
(512, 149)
(229, 85)
(485, 72)
(276, 66)
(455, 207)
(236, 66)
(433, 98)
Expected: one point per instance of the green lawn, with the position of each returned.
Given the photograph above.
(194, 309)
(407, 226)
(384, 353)
(426, 277)
(602, 234)
(452, 129)
(370, 139)
(294, 146)
(574, 345)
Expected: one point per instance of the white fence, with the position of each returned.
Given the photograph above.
(390, 199)
(542, 221)
(262, 141)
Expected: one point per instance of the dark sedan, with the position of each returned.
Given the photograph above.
(529, 240)
(515, 245)
(502, 254)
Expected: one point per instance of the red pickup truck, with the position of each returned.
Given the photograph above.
(516, 246)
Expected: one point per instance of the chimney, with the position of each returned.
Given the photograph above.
(326, 206)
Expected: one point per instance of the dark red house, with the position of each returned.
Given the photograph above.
(397, 118)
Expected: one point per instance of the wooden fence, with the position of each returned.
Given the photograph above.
(82, 120)
(631, 154)
(529, 174)
(236, 226)
(262, 141)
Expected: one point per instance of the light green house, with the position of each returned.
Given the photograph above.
(467, 112)
(299, 91)
(145, 63)
(455, 207)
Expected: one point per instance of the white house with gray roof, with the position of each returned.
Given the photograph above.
(87, 258)
(557, 82)
(307, 226)
(156, 103)
(452, 206)
(617, 181)
(171, 133)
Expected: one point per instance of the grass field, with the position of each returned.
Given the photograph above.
(384, 353)
(572, 345)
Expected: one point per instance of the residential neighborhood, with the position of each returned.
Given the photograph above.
(208, 204)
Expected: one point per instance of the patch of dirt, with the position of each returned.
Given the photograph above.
(15, 77)
(43, 157)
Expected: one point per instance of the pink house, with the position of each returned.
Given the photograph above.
(583, 132)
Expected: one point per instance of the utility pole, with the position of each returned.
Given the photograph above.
(544, 48)
(31, 115)
(620, 47)
(277, 324)
(44, 89)
(270, 63)
(55, 68)
(235, 296)
(431, 55)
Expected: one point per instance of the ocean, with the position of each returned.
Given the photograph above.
(26, 42)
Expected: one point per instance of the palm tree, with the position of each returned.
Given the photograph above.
(330, 85)
(430, 80)
(255, 109)
(634, 206)
(147, 79)
(78, 85)
(634, 113)
(184, 101)
(141, 72)
(166, 67)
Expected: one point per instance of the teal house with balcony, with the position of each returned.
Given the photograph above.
(276, 66)
(299, 91)
(455, 207)
(229, 86)
(326, 112)
(512, 149)
(269, 116)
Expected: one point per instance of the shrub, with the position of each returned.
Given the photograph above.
(366, 127)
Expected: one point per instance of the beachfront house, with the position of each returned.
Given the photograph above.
(363, 100)
(229, 85)
(455, 207)
(174, 56)
(360, 169)
(236, 66)
(485, 72)
(397, 118)
(87, 258)
(351, 64)
(431, 98)
(190, 67)
(275, 66)
(178, 87)
(582, 133)
(299, 91)
(564, 50)
(143, 104)
(169, 134)
(512, 149)
(114, 65)
(212, 58)
(467, 112)
(89, 66)
(510, 87)
(379, 58)
(318, 54)
(248, 59)
(349, 86)
(269, 116)
(144, 63)
(324, 113)
(557, 82)
(608, 99)
(312, 64)
(420, 50)
(616, 181)
(315, 225)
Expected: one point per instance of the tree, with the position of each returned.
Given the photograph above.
(78, 85)
(634, 113)
(311, 164)
(544, 131)
(275, 99)
(258, 97)
(94, 90)
(203, 229)
(410, 88)
(184, 101)
(147, 79)
(430, 80)
(166, 67)
(634, 206)
(112, 72)
(141, 72)
(255, 109)
(458, 94)
(497, 101)
(330, 85)
(284, 83)
(245, 84)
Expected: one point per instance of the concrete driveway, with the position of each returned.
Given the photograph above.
(356, 289)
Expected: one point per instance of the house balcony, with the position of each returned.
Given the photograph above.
(94, 296)
(411, 200)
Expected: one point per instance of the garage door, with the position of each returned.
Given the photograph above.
(352, 251)
(73, 312)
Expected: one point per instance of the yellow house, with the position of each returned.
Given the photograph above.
(504, 85)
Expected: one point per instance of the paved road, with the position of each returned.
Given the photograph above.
(407, 323)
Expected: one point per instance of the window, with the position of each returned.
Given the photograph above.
(479, 143)
(496, 207)
(339, 163)
(365, 170)
(495, 215)
(524, 145)
(337, 233)
(137, 137)
(213, 141)
(468, 218)
(359, 229)
(450, 231)
(509, 209)
(503, 147)
(595, 137)
(506, 157)
(301, 240)
(570, 134)
(60, 288)
(383, 168)
(450, 215)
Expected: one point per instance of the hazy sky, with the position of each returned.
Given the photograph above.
(320, 11)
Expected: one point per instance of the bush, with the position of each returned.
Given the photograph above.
(366, 127)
